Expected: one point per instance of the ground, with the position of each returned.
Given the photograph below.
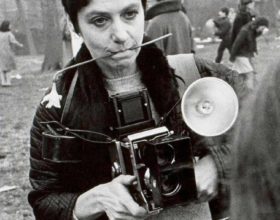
(17, 107)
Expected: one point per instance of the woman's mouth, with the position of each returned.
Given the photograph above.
(121, 54)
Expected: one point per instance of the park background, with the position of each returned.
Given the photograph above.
(36, 25)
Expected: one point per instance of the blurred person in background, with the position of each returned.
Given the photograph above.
(255, 188)
(244, 49)
(245, 14)
(223, 31)
(7, 57)
(169, 16)
(231, 15)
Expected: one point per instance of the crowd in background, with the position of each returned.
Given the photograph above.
(240, 38)
(238, 32)
(255, 170)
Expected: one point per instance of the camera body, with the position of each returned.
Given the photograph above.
(161, 161)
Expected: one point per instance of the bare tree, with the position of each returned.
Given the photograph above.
(53, 36)
(4, 8)
(28, 34)
(275, 7)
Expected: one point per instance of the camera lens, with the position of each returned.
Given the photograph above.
(165, 155)
(170, 185)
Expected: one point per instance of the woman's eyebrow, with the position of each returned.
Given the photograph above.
(132, 5)
(107, 13)
(100, 13)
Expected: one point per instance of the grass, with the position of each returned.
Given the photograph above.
(17, 107)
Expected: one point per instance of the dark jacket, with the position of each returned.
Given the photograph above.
(169, 17)
(164, 7)
(243, 17)
(223, 27)
(57, 186)
(245, 43)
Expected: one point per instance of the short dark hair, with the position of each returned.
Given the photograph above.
(5, 26)
(260, 21)
(73, 6)
(225, 10)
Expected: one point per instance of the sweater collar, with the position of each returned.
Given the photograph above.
(163, 7)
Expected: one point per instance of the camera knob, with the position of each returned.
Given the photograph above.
(116, 169)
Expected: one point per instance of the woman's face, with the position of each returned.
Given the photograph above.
(110, 26)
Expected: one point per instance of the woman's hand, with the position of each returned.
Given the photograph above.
(206, 176)
(113, 198)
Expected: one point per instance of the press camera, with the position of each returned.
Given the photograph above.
(161, 161)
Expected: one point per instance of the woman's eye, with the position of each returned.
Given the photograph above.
(130, 14)
(100, 21)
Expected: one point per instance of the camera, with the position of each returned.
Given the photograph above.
(161, 161)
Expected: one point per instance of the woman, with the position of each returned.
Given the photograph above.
(86, 190)
(7, 59)
(256, 176)
(244, 49)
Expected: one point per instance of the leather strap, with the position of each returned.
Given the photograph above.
(185, 67)
(69, 97)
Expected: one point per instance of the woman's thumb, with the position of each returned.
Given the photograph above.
(126, 180)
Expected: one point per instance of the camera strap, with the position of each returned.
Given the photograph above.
(185, 69)
(69, 97)
(59, 129)
(186, 73)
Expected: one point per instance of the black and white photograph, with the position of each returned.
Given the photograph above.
(139, 109)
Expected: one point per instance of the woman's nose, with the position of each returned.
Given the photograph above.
(119, 32)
